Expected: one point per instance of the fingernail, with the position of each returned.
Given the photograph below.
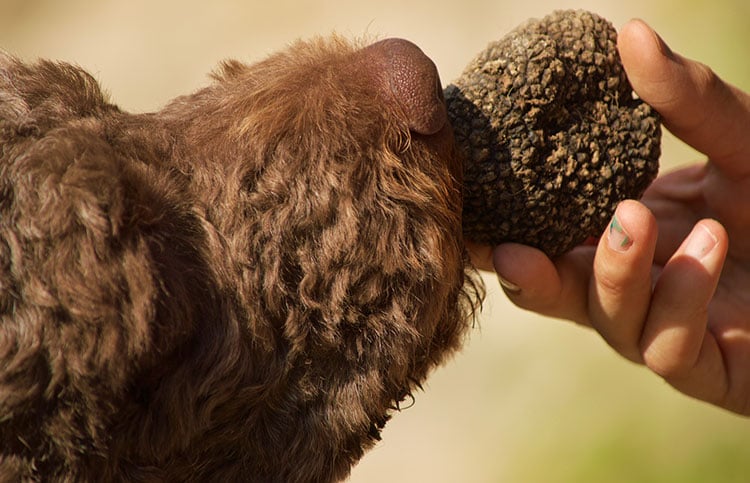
(508, 285)
(700, 242)
(618, 238)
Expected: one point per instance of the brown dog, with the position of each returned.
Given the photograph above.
(240, 287)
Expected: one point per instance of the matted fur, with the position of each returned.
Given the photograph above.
(240, 287)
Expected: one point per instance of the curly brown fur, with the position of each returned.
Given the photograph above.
(241, 286)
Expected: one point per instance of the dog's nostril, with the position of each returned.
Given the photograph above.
(412, 82)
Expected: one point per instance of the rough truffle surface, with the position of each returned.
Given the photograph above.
(552, 134)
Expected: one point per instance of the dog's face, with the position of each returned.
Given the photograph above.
(338, 98)
(296, 232)
(347, 226)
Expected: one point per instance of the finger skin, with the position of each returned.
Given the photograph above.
(554, 288)
(676, 343)
(676, 200)
(520, 268)
(695, 104)
(620, 289)
(729, 199)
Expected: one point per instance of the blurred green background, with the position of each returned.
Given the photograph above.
(529, 399)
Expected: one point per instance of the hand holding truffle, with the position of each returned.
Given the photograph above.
(679, 303)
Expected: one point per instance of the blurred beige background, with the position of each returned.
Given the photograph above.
(529, 399)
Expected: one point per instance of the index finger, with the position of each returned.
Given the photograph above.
(696, 105)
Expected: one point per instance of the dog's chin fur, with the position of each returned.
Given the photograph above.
(240, 287)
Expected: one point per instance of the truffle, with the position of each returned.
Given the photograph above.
(552, 135)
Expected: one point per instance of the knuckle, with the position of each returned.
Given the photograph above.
(612, 284)
(665, 365)
(669, 359)
(706, 79)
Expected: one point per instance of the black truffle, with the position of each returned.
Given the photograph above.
(552, 134)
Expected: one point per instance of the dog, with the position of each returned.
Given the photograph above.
(242, 286)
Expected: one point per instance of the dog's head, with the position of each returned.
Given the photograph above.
(344, 224)
(296, 232)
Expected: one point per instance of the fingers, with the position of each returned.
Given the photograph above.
(664, 327)
(675, 341)
(620, 289)
(534, 282)
(676, 200)
(610, 292)
(696, 105)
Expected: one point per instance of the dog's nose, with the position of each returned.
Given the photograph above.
(409, 79)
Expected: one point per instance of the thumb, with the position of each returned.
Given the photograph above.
(695, 104)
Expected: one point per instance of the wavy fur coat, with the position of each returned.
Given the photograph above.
(239, 287)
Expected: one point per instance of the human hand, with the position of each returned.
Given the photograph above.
(680, 302)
